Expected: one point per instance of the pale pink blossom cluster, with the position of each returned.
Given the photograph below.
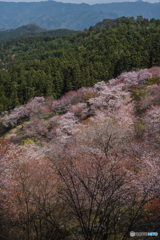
(132, 78)
(31, 108)
(70, 98)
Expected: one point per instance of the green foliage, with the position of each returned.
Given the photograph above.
(28, 140)
(153, 80)
(32, 30)
(138, 92)
(52, 66)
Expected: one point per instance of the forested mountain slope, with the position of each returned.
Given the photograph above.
(88, 157)
(54, 15)
(31, 30)
(51, 66)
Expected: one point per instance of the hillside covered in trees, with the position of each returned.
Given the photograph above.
(85, 166)
(51, 66)
(80, 132)
(31, 30)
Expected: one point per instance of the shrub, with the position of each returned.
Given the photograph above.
(153, 80)
(138, 92)
(155, 89)
(28, 140)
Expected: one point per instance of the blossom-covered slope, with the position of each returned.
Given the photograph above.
(132, 101)
(85, 166)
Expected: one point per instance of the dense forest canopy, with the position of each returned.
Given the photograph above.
(32, 30)
(52, 66)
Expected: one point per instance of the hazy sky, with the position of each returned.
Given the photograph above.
(81, 1)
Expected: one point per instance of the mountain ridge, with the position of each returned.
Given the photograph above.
(31, 30)
(53, 15)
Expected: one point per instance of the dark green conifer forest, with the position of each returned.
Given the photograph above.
(51, 66)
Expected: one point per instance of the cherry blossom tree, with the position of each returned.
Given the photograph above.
(106, 189)
(30, 207)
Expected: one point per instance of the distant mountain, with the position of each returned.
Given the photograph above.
(31, 30)
(55, 15)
